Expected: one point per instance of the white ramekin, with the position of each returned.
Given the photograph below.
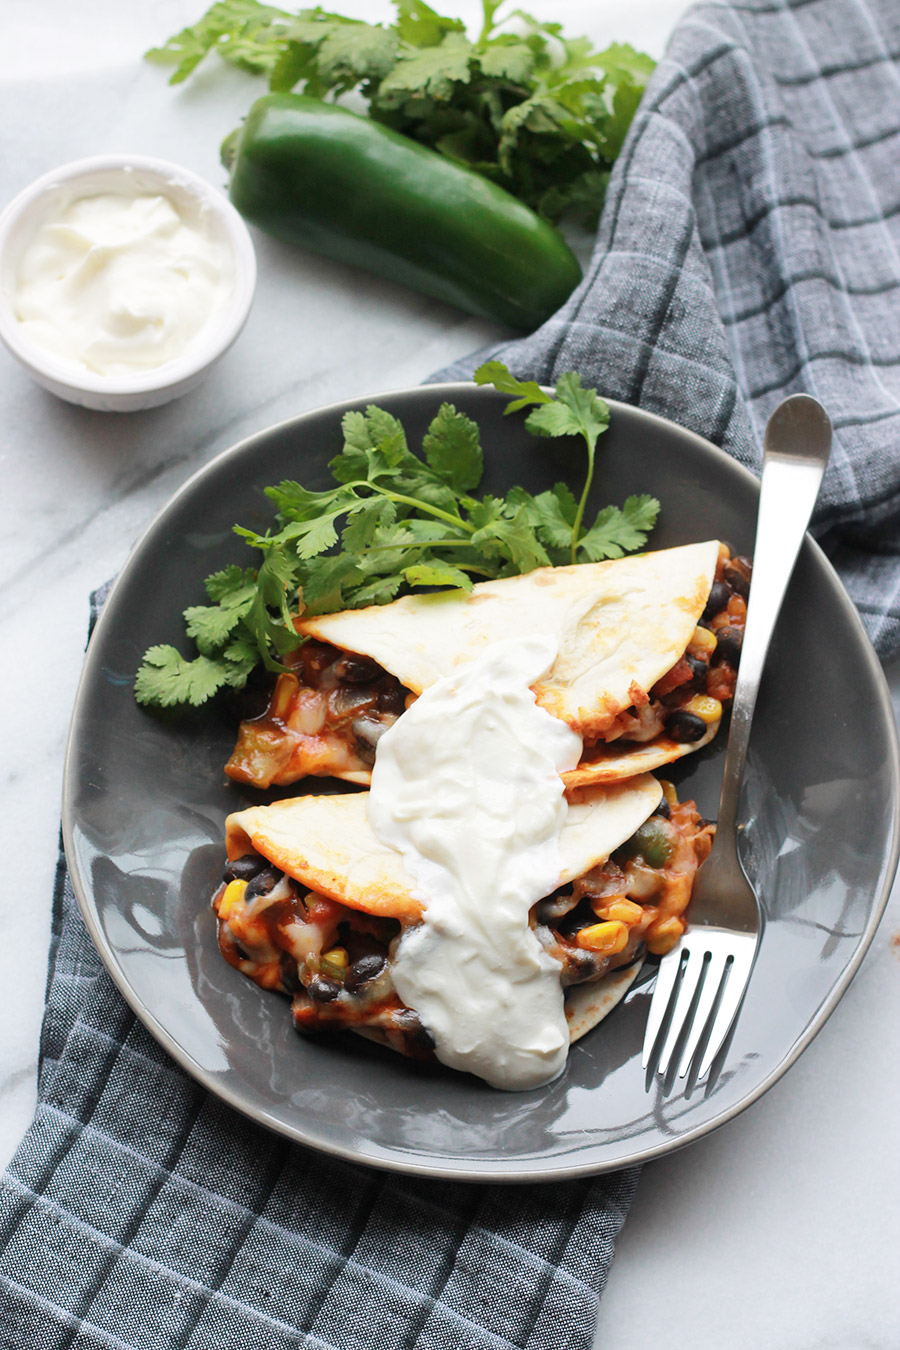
(142, 389)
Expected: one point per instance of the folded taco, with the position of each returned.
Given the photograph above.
(313, 905)
(647, 650)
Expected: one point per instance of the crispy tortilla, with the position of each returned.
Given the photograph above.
(615, 762)
(619, 627)
(327, 843)
(588, 1004)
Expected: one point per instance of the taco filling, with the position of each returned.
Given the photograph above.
(310, 906)
(648, 654)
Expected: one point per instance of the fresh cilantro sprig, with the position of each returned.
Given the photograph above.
(542, 114)
(572, 410)
(395, 520)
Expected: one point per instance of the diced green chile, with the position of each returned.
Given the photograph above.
(346, 186)
(652, 842)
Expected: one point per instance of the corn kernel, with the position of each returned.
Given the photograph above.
(337, 956)
(669, 792)
(233, 896)
(606, 938)
(706, 708)
(617, 907)
(702, 640)
(663, 935)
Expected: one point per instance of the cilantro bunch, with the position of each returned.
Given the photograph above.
(539, 113)
(394, 521)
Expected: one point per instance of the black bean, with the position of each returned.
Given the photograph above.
(685, 726)
(391, 698)
(365, 751)
(581, 965)
(350, 701)
(323, 990)
(555, 907)
(729, 645)
(263, 882)
(244, 869)
(368, 730)
(409, 1022)
(719, 595)
(288, 972)
(363, 969)
(354, 669)
(737, 573)
(699, 669)
(663, 809)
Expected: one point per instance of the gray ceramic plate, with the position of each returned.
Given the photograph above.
(145, 801)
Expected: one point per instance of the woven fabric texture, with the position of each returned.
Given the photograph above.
(750, 249)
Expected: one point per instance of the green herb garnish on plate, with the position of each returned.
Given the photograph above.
(396, 520)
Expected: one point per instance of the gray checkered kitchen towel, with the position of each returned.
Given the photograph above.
(142, 1213)
(749, 247)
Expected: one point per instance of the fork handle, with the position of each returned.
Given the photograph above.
(791, 478)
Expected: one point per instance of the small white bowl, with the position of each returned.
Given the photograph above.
(106, 173)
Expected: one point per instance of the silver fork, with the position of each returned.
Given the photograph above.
(701, 982)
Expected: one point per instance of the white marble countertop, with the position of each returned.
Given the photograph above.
(782, 1228)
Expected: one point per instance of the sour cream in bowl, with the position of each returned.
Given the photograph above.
(123, 279)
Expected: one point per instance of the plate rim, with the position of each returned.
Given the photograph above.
(523, 1174)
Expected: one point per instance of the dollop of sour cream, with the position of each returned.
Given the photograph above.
(119, 282)
(466, 785)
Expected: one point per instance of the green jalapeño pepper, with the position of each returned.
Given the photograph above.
(346, 186)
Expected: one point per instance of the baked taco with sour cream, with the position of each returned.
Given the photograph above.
(648, 647)
(314, 906)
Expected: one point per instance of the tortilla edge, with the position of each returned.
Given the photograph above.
(586, 1005)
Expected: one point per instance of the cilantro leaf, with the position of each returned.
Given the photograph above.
(224, 586)
(496, 373)
(243, 32)
(507, 58)
(210, 625)
(323, 588)
(420, 25)
(430, 72)
(575, 412)
(571, 410)
(616, 532)
(377, 592)
(432, 574)
(165, 678)
(452, 447)
(513, 539)
(545, 513)
(362, 525)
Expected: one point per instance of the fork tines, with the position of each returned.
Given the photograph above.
(698, 991)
